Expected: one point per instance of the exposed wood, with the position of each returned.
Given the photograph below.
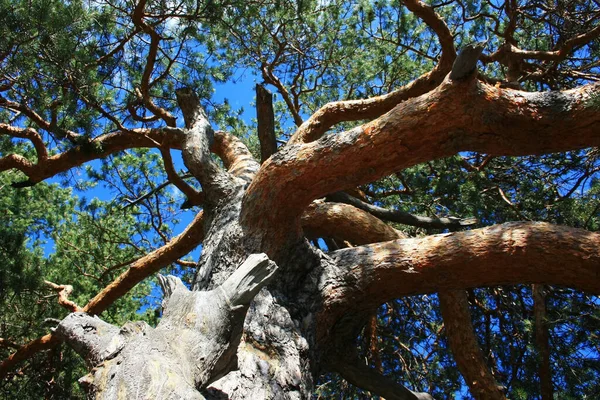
(182, 354)
(266, 122)
(466, 61)
(235, 156)
(465, 347)
(216, 183)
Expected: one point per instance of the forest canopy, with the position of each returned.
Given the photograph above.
(423, 179)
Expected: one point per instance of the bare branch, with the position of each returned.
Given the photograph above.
(403, 217)
(63, 296)
(196, 148)
(266, 122)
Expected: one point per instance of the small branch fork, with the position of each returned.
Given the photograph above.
(64, 291)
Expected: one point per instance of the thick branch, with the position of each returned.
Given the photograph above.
(345, 222)
(27, 351)
(354, 110)
(196, 148)
(457, 116)
(235, 156)
(465, 348)
(367, 276)
(100, 147)
(27, 133)
(403, 217)
(194, 334)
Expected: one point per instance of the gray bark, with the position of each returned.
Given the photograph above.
(186, 351)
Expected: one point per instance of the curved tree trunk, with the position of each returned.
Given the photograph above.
(225, 339)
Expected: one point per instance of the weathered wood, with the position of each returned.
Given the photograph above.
(466, 61)
(216, 182)
(184, 353)
(265, 117)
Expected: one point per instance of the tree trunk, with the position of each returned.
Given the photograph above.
(244, 332)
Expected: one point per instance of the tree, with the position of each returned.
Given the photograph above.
(266, 312)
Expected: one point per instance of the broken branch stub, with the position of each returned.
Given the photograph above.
(188, 349)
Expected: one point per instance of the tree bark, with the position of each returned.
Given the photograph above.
(465, 347)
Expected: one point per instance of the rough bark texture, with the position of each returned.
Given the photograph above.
(363, 277)
(188, 348)
(222, 340)
(266, 122)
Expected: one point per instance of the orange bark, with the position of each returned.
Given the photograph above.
(465, 348)
(457, 116)
(512, 253)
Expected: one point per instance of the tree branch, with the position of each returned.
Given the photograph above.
(235, 156)
(364, 277)
(359, 374)
(465, 347)
(541, 342)
(100, 147)
(457, 116)
(152, 262)
(63, 296)
(354, 110)
(199, 137)
(27, 133)
(345, 222)
(266, 122)
(193, 196)
(403, 217)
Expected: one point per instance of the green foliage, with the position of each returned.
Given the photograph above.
(80, 65)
